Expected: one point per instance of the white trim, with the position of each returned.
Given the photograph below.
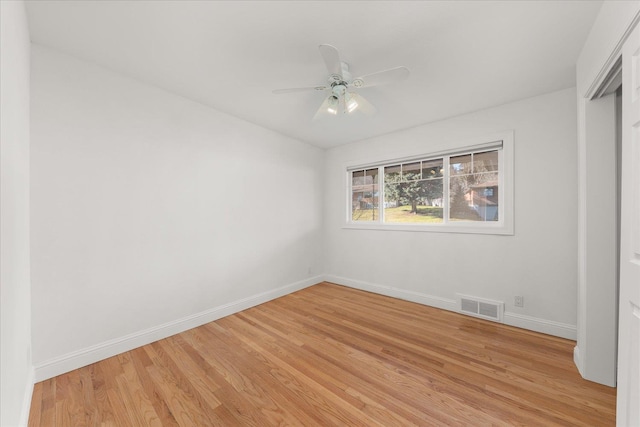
(390, 291)
(446, 181)
(536, 324)
(593, 89)
(549, 327)
(612, 81)
(95, 353)
(470, 228)
(577, 360)
(26, 399)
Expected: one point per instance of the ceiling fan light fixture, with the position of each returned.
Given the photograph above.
(352, 104)
(332, 107)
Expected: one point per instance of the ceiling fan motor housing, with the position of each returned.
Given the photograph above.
(339, 89)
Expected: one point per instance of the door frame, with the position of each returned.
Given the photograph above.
(604, 81)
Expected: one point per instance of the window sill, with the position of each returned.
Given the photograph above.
(464, 228)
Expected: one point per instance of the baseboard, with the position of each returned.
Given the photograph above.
(390, 291)
(549, 327)
(513, 319)
(26, 399)
(89, 355)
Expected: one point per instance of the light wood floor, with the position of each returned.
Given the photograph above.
(333, 356)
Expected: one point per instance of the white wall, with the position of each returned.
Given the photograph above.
(149, 209)
(537, 262)
(15, 357)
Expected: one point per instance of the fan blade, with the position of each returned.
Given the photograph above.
(331, 59)
(382, 77)
(299, 89)
(363, 105)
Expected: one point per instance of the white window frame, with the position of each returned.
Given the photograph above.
(505, 224)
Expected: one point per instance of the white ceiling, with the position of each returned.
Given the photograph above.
(463, 55)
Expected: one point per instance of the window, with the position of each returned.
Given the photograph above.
(469, 189)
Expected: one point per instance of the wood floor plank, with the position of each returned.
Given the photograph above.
(199, 386)
(120, 414)
(141, 361)
(48, 414)
(105, 415)
(35, 416)
(88, 401)
(176, 392)
(333, 356)
(136, 401)
(64, 400)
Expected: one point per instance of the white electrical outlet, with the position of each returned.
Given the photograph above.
(518, 301)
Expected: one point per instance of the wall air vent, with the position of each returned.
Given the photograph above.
(480, 307)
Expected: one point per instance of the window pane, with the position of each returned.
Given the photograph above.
(357, 178)
(432, 169)
(460, 164)
(431, 192)
(459, 203)
(413, 201)
(485, 162)
(364, 195)
(392, 176)
(356, 206)
(474, 197)
(484, 196)
(392, 170)
(411, 171)
(371, 176)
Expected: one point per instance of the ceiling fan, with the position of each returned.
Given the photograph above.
(340, 90)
